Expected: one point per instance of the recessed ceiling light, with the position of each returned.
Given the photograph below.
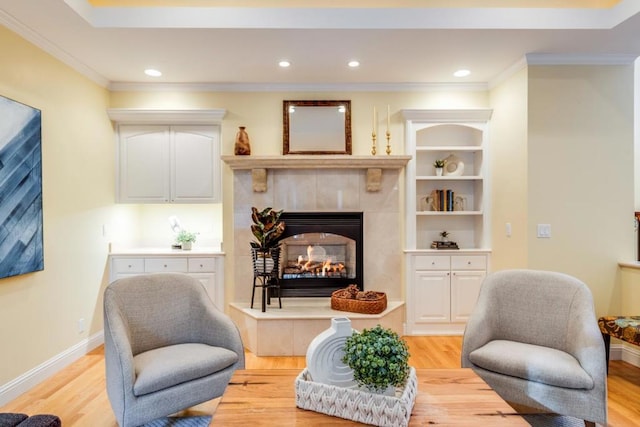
(354, 64)
(152, 73)
(284, 64)
(462, 73)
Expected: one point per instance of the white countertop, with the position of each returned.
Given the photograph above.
(630, 264)
(142, 251)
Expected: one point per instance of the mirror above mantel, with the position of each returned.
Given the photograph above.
(316, 127)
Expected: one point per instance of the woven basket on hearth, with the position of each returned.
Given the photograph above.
(368, 306)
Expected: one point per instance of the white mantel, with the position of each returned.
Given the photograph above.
(260, 164)
(300, 161)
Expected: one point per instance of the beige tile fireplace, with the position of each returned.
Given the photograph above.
(368, 184)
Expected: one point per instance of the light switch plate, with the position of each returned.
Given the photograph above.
(544, 231)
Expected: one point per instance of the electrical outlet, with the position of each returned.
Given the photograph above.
(544, 231)
(507, 229)
(80, 326)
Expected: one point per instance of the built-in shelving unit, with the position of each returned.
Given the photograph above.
(442, 285)
(461, 137)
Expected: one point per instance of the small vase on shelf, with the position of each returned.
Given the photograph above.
(242, 146)
(439, 171)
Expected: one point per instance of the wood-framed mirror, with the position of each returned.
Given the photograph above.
(316, 127)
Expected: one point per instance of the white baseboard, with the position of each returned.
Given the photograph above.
(626, 352)
(631, 354)
(28, 380)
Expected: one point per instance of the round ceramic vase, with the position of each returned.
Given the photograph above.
(325, 352)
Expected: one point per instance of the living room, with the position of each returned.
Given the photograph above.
(561, 153)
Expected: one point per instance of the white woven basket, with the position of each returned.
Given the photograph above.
(357, 405)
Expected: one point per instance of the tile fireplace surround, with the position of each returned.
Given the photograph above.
(317, 184)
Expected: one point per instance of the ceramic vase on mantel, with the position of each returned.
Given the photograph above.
(242, 146)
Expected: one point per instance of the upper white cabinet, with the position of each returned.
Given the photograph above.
(168, 157)
(456, 201)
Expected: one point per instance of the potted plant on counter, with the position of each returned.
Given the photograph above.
(439, 165)
(186, 239)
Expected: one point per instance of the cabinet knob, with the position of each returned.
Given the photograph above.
(129, 265)
(165, 266)
(201, 266)
(433, 263)
(468, 262)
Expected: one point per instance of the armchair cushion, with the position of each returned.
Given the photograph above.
(531, 362)
(167, 366)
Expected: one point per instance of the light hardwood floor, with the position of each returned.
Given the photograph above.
(77, 394)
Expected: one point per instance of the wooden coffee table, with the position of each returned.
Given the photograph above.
(447, 397)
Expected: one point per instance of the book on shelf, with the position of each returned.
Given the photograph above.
(443, 200)
(444, 245)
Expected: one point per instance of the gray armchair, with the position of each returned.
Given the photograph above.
(167, 347)
(533, 337)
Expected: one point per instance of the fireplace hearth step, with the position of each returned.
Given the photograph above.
(290, 330)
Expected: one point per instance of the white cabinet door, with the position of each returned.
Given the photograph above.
(465, 287)
(195, 153)
(143, 159)
(431, 301)
(168, 164)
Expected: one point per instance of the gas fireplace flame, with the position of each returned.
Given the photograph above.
(326, 267)
(318, 263)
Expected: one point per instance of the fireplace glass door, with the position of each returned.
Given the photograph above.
(319, 256)
(321, 253)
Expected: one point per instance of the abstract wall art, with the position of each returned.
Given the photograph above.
(21, 245)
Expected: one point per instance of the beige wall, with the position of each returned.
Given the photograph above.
(39, 311)
(508, 177)
(580, 174)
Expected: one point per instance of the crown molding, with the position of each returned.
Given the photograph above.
(579, 59)
(449, 115)
(28, 34)
(146, 116)
(297, 87)
(506, 74)
(354, 17)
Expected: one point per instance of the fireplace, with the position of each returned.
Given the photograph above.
(321, 252)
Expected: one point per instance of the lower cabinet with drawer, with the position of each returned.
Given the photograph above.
(209, 269)
(442, 290)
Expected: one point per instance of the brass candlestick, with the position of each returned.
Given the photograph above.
(388, 143)
(373, 145)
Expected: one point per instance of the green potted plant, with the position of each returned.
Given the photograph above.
(379, 359)
(267, 228)
(186, 239)
(439, 165)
